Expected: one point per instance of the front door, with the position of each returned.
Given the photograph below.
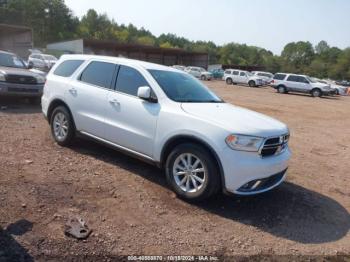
(130, 121)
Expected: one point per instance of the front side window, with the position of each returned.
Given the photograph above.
(10, 60)
(67, 68)
(235, 73)
(129, 80)
(183, 88)
(292, 78)
(242, 74)
(98, 74)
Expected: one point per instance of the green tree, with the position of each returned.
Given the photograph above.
(297, 56)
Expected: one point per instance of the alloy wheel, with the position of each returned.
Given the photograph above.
(60, 125)
(189, 173)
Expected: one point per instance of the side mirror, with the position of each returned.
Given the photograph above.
(145, 93)
(30, 65)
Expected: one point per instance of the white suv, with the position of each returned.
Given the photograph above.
(232, 77)
(199, 72)
(169, 118)
(285, 83)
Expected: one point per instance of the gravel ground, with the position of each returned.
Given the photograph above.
(131, 210)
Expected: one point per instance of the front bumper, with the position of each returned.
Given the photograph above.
(241, 168)
(11, 89)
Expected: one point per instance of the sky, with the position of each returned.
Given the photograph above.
(270, 24)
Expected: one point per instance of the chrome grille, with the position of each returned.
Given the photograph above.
(274, 145)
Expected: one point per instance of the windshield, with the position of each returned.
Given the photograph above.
(182, 87)
(50, 58)
(10, 60)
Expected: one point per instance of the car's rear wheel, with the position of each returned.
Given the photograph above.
(229, 81)
(252, 84)
(316, 92)
(62, 126)
(192, 173)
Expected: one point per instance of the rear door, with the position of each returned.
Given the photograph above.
(130, 121)
(87, 97)
(235, 76)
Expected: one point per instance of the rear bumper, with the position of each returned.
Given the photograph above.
(10, 89)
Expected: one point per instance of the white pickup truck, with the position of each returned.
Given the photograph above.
(232, 77)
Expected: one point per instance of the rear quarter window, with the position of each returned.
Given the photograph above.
(67, 68)
(279, 76)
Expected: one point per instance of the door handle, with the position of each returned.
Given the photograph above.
(114, 101)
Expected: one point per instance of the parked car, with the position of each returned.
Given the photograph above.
(343, 83)
(199, 72)
(42, 61)
(179, 67)
(338, 89)
(16, 79)
(285, 83)
(265, 76)
(233, 77)
(168, 118)
(217, 73)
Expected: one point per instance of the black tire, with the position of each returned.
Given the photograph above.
(337, 92)
(211, 184)
(203, 78)
(281, 89)
(229, 81)
(252, 83)
(316, 92)
(67, 139)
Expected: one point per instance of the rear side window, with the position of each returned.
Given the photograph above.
(129, 80)
(279, 76)
(228, 72)
(292, 78)
(98, 74)
(67, 68)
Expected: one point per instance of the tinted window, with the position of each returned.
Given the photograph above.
(184, 88)
(10, 60)
(293, 78)
(228, 72)
(235, 73)
(279, 76)
(129, 80)
(67, 68)
(242, 74)
(98, 74)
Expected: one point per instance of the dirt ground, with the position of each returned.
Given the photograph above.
(132, 211)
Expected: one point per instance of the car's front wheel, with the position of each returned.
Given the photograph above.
(192, 173)
(203, 78)
(316, 92)
(62, 126)
(252, 84)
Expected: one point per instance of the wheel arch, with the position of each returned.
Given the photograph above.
(182, 139)
(55, 103)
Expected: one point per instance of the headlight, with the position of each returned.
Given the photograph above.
(40, 79)
(2, 76)
(244, 143)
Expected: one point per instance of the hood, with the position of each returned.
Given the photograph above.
(255, 78)
(18, 71)
(236, 119)
(206, 73)
(320, 85)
